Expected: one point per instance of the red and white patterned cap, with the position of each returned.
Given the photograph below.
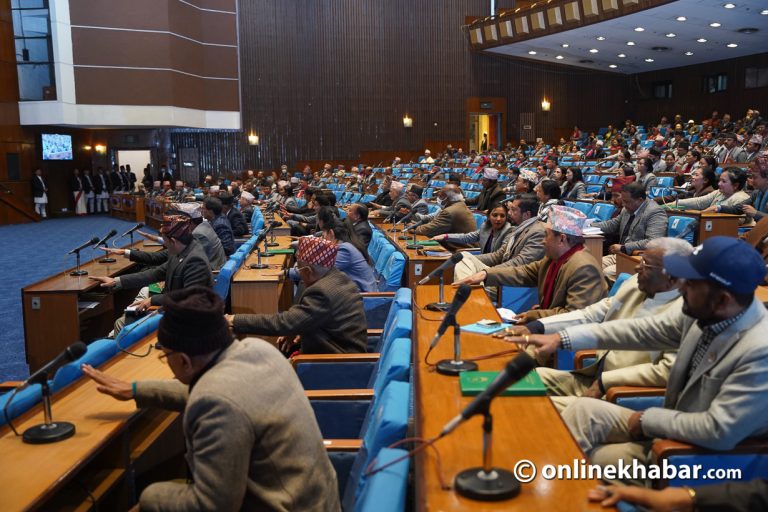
(317, 251)
(569, 221)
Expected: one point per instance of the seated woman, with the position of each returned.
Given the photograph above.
(559, 176)
(730, 193)
(574, 185)
(548, 193)
(703, 182)
(491, 236)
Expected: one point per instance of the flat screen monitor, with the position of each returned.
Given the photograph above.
(57, 146)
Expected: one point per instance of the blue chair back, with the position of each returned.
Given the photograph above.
(22, 402)
(97, 353)
(619, 281)
(584, 208)
(142, 327)
(224, 279)
(400, 327)
(519, 299)
(383, 257)
(385, 491)
(257, 220)
(602, 211)
(479, 219)
(392, 276)
(677, 225)
(665, 181)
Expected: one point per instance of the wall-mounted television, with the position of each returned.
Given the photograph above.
(57, 146)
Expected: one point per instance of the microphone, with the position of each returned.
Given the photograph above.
(414, 226)
(515, 370)
(133, 229)
(690, 228)
(71, 353)
(92, 241)
(453, 260)
(109, 235)
(462, 294)
(264, 232)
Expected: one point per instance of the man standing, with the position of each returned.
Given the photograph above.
(252, 439)
(103, 187)
(90, 190)
(716, 395)
(165, 174)
(40, 193)
(568, 277)
(640, 221)
(329, 317)
(78, 192)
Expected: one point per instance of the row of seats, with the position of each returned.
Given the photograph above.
(388, 262)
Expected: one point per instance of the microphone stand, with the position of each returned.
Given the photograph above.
(487, 483)
(48, 432)
(266, 253)
(414, 245)
(272, 242)
(440, 305)
(455, 366)
(78, 272)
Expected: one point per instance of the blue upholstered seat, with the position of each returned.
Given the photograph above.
(385, 491)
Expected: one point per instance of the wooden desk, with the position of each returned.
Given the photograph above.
(128, 207)
(710, 224)
(154, 208)
(625, 264)
(417, 265)
(524, 427)
(265, 290)
(594, 244)
(52, 318)
(762, 294)
(113, 443)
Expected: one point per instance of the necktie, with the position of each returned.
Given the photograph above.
(625, 233)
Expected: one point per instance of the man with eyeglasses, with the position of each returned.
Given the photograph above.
(327, 319)
(717, 393)
(650, 292)
(252, 439)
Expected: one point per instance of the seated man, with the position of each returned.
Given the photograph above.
(568, 277)
(454, 217)
(186, 265)
(525, 244)
(329, 316)
(640, 221)
(418, 204)
(236, 218)
(252, 439)
(399, 203)
(491, 194)
(213, 212)
(648, 293)
(357, 216)
(717, 394)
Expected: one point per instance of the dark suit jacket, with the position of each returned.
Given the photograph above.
(364, 232)
(733, 496)
(487, 198)
(88, 184)
(181, 271)
(38, 187)
(76, 184)
(167, 176)
(115, 181)
(237, 221)
(101, 183)
(329, 316)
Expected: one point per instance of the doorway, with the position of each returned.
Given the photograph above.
(138, 159)
(484, 131)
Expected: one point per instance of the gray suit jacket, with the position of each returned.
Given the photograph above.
(650, 222)
(480, 238)
(524, 245)
(726, 399)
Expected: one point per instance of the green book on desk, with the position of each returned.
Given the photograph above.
(427, 243)
(473, 383)
(280, 251)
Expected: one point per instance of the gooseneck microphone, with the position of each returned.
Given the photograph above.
(453, 260)
(71, 353)
(92, 241)
(103, 241)
(462, 294)
(132, 230)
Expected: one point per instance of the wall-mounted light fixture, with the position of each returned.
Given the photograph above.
(87, 148)
(253, 139)
(407, 121)
(545, 105)
(100, 148)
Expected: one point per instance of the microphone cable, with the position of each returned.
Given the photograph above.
(423, 445)
(5, 411)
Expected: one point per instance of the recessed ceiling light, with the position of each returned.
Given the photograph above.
(671, 34)
(732, 45)
(689, 53)
(612, 66)
(701, 40)
(729, 5)
(639, 29)
(714, 24)
(565, 45)
(531, 52)
(621, 55)
(764, 12)
(630, 43)
(681, 18)
(600, 38)
(593, 50)
(648, 60)
(559, 57)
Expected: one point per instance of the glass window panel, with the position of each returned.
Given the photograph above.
(32, 23)
(28, 4)
(37, 50)
(32, 79)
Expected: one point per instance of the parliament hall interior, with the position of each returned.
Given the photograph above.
(401, 256)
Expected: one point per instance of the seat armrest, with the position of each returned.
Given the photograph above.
(373, 295)
(343, 445)
(374, 332)
(9, 385)
(580, 356)
(334, 358)
(339, 394)
(629, 391)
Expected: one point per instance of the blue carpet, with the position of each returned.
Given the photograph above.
(30, 253)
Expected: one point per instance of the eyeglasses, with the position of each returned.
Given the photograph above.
(643, 265)
(163, 353)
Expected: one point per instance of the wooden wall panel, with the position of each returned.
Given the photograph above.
(688, 96)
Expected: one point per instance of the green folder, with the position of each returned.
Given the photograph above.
(473, 383)
(155, 289)
(427, 243)
(280, 251)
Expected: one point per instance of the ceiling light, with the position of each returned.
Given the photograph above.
(559, 57)
(565, 45)
(531, 52)
(612, 66)
(648, 60)
(593, 50)
(714, 25)
(701, 40)
(630, 43)
(729, 5)
(681, 18)
(689, 53)
(671, 34)
(621, 55)
(600, 38)
(639, 29)
(764, 12)
(732, 45)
